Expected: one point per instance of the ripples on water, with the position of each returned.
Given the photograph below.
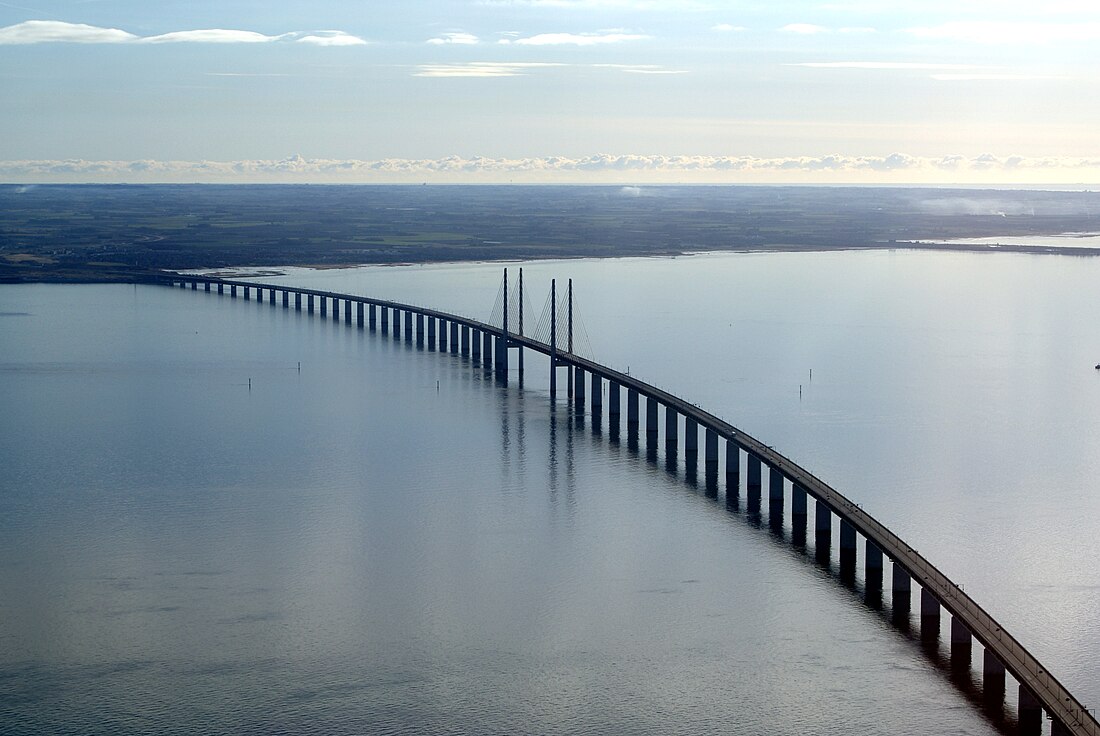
(351, 549)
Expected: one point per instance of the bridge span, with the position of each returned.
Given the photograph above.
(489, 344)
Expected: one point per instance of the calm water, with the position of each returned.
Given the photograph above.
(387, 541)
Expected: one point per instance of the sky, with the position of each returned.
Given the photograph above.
(561, 91)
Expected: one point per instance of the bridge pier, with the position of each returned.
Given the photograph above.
(372, 317)
(672, 423)
(359, 309)
(993, 677)
(408, 326)
(270, 295)
(431, 333)
(902, 590)
(1030, 713)
(775, 497)
(384, 319)
(453, 342)
(799, 515)
(597, 398)
(221, 288)
(347, 312)
(930, 616)
(475, 345)
(710, 451)
(651, 421)
(247, 297)
(233, 291)
(962, 644)
(396, 324)
(614, 390)
(464, 340)
(419, 329)
(206, 287)
(847, 551)
(632, 410)
(733, 471)
(872, 563)
(753, 483)
(691, 437)
(286, 299)
(823, 531)
(297, 302)
(487, 348)
(578, 389)
(194, 285)
(443, 327)
(501, 357)
(324, 305)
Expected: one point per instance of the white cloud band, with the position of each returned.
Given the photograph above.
(596, 168)
(55, 31)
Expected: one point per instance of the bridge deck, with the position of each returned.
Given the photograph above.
(1024, 667)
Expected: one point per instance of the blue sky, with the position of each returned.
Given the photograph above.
(551, 90)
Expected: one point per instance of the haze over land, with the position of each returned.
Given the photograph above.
(105, 232)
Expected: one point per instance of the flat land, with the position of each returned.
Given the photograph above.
(112, 232)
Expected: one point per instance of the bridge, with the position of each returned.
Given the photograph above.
(722, 445)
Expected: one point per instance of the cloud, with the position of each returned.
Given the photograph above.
(640, 68)
(1013, 32)
(331, 38)
(212, 35)
(54, 31)
(575, 39)
(599, 167)
(727, 28)
(455, 37)
(891, 65)
(804, 29)
(992, 77)
(479, 69)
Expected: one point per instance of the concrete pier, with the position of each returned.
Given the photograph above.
(431, 333)
(847, 550)
(442, 335)
(297, 302)
(929, 615)
(453, 342)
(396, 324)
(733, 470)
(799, 515)
(632, 410)
(753, 483)
(1031, 713)
(775, 492)
(962, 644)
(347, 312)
(419, 329)
(710, 450)
(309, 305)
(475, 345)
(246, 296)
(902, 591)
(651, 408)
(384, 319)
(221, 288)
(691, 437)
(233, 291)
(596, 393)
(614, 391)
(823, 530)
(993, 677)
(672, 424)
(286, 299)
(372, 317)
(360, 307)
(578, 388)
(206, 287)
(409, 326)
(270, 295)
(487, 348)
(872, 565)
(465, 340)
(324, 305)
